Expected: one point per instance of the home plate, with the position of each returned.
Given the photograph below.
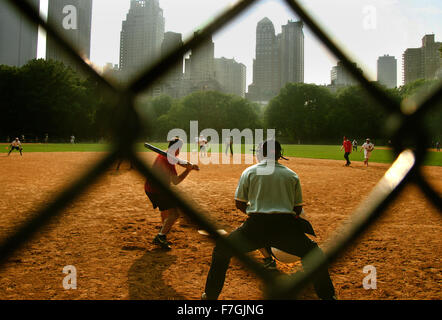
(284, 256)
(205, 233)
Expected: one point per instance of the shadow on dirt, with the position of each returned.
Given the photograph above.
(146, 279)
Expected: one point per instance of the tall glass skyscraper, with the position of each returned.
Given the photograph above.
(18, 37)
(279, 59)
(73, 19)
(141, 35)
(292, 52)
(387, 71)
(265, 65)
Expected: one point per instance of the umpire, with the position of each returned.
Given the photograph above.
(273, 203)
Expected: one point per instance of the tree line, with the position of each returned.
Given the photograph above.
(47, 97)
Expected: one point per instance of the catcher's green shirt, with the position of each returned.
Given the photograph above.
(278, 192)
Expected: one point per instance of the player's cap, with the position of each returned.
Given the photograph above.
(367, 139)
(174, 141)
(271, 149)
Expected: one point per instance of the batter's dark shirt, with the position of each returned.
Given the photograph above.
(167, 170)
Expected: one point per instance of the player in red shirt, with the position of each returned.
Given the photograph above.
(347, 146)
(167, 206)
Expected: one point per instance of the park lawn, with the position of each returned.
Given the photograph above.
(59, 147)
(380, 154)
(335, 153)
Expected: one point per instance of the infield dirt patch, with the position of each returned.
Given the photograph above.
(107, 233)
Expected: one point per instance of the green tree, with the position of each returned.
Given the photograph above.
(358, 115)
(47, 97)
(213, 110)
(301, 112)
(418, 91)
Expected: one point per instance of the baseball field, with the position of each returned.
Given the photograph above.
(107, 233)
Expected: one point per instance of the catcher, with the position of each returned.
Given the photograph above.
(273, 204)
(368, 147)
(16, 145)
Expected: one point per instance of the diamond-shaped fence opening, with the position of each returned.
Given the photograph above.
(405, 170)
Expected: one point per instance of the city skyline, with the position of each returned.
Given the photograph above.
(396, 27)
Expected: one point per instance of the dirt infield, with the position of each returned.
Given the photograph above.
(107, 233)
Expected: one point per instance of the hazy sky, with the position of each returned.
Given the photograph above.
(366, 28)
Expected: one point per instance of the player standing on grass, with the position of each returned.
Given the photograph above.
(368, 147)
(167, 206)
(229, 145)
(16, 145)
(355, 145)
(346, 145)
(273, 203)
(201, 142)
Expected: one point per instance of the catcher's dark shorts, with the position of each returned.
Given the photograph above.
(15, 148)
(161, 202)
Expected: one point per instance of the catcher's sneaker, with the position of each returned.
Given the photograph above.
(160, 240)
(269, 263)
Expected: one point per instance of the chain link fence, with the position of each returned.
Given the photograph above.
(404, 124)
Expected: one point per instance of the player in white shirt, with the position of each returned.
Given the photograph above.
(16, 145)
(368, 147)
(202, 142)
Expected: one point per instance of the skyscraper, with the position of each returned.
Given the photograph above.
(424, 62)
(171, 83)
(292, 52)
(73, 19)
(387, 71)
(171, 41)
(200, 68)
(202, 63)
(18, 37)
(431, 57)
(141, 35)
(266, 63)
(279, 59)
(340, 77)
(411, 61)
(231, 75)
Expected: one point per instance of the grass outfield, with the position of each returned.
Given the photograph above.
(380, 154)
(59, 147)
